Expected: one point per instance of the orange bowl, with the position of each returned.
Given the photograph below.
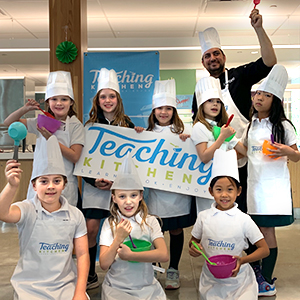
(267, 145)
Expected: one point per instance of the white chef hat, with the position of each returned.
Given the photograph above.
(208, 88)
(209, 38)
(127, 176)
(48, 160)
(164, 93)
(59, 83)
(108, 79)
(275, 83)
(225, 164)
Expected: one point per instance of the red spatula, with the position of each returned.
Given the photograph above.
(256, 2)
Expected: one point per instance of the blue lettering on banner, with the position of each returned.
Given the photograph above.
(153, 152)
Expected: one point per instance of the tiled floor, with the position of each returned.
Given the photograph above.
(287, 268)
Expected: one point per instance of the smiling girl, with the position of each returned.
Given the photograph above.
(107, 108)
(60, 99)
(129, 215)
(49, 229)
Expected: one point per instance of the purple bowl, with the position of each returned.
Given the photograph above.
(225, 265)
(50, 124)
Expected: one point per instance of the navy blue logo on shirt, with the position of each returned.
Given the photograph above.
(46, 248)
(220, 245)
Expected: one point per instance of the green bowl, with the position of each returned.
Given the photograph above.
(141, 245)
(216, 133)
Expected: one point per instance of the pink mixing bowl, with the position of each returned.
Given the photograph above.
(50, 124)
(225, 265)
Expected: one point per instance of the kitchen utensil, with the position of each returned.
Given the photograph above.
(256, 2)
(272, 138)
(17, 131)
(217, 131)
(267, 145)
(133, 245)
(229, 120)
(197, 247)
(141, 245)
(50, 124)
(224, 264)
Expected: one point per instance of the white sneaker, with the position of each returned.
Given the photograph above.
(172, 280)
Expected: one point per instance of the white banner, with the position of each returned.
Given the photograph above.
(163, 162)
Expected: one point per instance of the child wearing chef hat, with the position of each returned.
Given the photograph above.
(175, 209)
(224, 229)
(60, 100)
(129, 216)
(211, 113)
(49, 227)
(269, 198)
(107, 108)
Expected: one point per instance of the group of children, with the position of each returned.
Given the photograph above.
(46, 268)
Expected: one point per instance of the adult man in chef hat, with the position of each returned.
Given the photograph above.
(48, 221)
(236, 82)
(59, 83)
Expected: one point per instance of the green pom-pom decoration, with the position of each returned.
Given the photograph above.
(66, 52)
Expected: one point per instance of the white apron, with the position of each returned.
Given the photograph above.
(47, 274)
(71, 190)
(131, 281)
(269, 179)
(241, 287)
(93, 197)
(239, 122)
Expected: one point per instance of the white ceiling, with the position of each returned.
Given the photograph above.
(155, 23)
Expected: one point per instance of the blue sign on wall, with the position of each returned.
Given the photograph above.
(137, 72)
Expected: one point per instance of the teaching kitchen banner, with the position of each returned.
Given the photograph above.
(163, 162)
(136, 72)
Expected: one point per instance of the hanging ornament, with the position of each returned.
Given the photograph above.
(66, 51)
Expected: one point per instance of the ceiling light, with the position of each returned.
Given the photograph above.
(118, 49)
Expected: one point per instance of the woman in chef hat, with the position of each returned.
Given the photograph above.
(269, 193)
(211, 112)
(127, 280)
(107, 108)
(174, 209)
(49, 228)
(224, 229)
(60, 99)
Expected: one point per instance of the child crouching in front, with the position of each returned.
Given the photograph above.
(129, 218)
(225, 223)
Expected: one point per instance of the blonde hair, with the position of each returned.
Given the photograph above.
(178, 126)
(119, 118)
(113, 219)
(221, 118)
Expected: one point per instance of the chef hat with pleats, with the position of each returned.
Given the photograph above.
(49, 160)
(164, 93)
(127, 176)
(108, 79)
(276, 81)
(225, 164)
(59, 84)
(208, 88)
(209, 38)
